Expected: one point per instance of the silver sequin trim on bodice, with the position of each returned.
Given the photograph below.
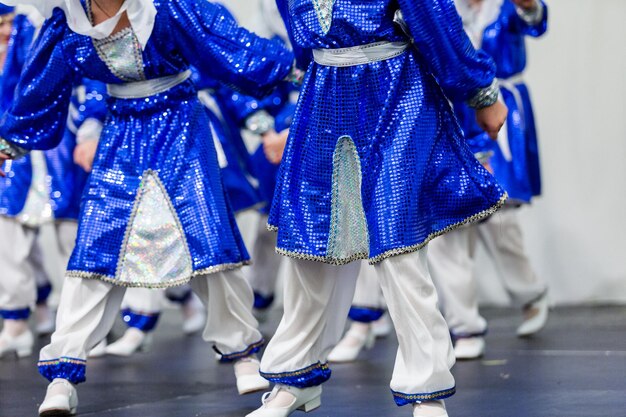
(155, 251)
(324, 10)
(122, 54)
(348, 237)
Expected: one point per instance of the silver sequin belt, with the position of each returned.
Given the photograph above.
(147, 88)
(359, 55)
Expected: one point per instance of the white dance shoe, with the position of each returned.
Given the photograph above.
(61, 399)
(22, 344)
(469, 348)
(45, 320)
(133, 340)
(535, 317)
(194, 316)
(248, 377)
(284, 400)
(99, 350)
(430, 409)
(359, 336)
(383, 326)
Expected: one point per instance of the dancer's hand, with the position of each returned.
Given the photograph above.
(274, 145)
(3, 157)
(527, 4)
(84, 154)
(492, 118)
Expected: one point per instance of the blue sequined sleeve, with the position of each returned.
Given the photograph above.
(38, 115)
(438, 33)
(208, 36)
(534, 30)
(19, 45)
(303, 56)
(95, 106)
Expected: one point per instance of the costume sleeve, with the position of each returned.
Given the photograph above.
(38, 114)
(92, 110)
(19, 45)
(208, 36)
(533, 23)
(438, 33)
(303, 56)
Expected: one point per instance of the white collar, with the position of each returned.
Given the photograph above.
(475, 21)
(141, 14)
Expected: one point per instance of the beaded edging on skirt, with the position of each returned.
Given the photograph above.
(393, 252)
(111, 280)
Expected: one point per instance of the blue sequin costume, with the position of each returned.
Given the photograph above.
(515, 159)
(376, 165)
(153, 212)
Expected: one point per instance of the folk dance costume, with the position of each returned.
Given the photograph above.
(141, 308)
(375, 167)
(499, 29)
(153, 213)
(42, 188)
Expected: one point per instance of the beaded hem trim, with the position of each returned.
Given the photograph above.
(393, 252)
(57, 361)
(111, 280)
(250, 350)
(404, 399)
(318, 365)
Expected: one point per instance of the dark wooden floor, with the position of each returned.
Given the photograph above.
(576, 367)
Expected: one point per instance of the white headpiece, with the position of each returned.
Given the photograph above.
(141, 14)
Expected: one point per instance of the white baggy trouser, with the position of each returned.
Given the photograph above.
(88, 308)
(317, 298)
(451, 261)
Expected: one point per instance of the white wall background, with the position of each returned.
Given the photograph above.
(576, 232)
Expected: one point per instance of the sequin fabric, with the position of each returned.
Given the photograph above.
(122, 54)
(167, 134)
(155, 250)
(418, 177)
(56, 180)
(515, 159)
(313, 375)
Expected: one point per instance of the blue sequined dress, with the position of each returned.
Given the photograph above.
(153, 212)
(515, 159)
(376, 165)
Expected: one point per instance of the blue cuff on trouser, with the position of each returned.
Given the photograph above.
(21, 314)
(365, 314)
(71, 369)
(262, 302)
(43, 293)
(310, 376)
(141, 321)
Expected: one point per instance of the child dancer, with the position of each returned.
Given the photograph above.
(375, 167)
(499, 28)
(41, 189)
(153, 213)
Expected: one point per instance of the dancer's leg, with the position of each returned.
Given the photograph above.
(425, 355)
